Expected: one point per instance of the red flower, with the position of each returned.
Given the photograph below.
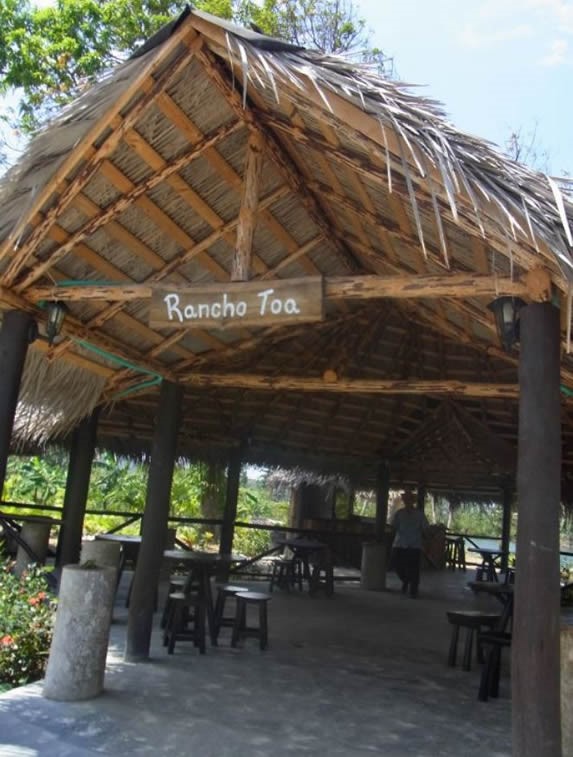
(7, 640)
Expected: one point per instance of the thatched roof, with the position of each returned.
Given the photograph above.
(141, 180)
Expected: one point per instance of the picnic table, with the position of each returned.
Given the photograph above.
(202, 566)
(316, 559)
(491, 560)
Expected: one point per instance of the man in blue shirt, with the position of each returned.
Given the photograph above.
(409, 525)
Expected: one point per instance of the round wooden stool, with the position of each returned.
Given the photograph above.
(225, 591)
(240, 628)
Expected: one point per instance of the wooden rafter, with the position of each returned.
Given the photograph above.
(523, 253)
(287, 168)
(224, 169)
(120, 122)
(122, 203)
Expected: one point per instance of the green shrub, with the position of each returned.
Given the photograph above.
(27, 610)
(251, 542)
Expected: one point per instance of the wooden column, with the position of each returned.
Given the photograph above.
(421, 497)
(147, 571)
(15, 334)
(535, 645)
(248, 212)
(233, 479)
(77, 487)
(382, 492)
(507, 501)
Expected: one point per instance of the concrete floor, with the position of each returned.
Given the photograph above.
(362, 672)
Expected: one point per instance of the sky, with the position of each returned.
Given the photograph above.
(496, 65)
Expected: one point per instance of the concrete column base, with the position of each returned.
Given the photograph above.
(105, 554)
(373, 567)
(37, 535)
(76, 665)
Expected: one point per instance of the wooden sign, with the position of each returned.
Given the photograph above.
(238, 304)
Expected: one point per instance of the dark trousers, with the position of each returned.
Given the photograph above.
(407, 562)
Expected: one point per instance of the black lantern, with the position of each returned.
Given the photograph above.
(506, 312)
(56, 312)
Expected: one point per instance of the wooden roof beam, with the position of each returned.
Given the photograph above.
(248, 212)
(367, 287)
(351, 386)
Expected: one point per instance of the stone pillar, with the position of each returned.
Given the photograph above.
(36, 534)
(105, 554)
(76, 665)
(535, 647)
(77, 488)
(155, 520)
(373, 566)
(15, 335)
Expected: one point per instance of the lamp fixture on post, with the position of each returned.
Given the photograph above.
(506, 312)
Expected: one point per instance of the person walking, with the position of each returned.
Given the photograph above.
(409, 526)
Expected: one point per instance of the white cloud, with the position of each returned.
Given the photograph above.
(473, 36)
(558, 54)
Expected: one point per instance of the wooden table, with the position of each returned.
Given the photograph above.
(491, 561)
(202, 566)
(303, 549)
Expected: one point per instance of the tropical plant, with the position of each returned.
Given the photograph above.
(49, 54)
(27, 610)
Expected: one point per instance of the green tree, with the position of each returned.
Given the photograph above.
(49, 54)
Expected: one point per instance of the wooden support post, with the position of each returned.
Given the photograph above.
(15, 334)
(233, 479)
(421, 497)
(77, 488)
(154, 534)
(507, 502)
(248, 212)
(535, 647)
(382, 492)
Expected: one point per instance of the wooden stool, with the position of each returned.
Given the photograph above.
(321, 573)
(185, 621)
(176, 584)
(286, 572)
(489, 682)
(223, 592)
(240, 628)
(472, 620)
